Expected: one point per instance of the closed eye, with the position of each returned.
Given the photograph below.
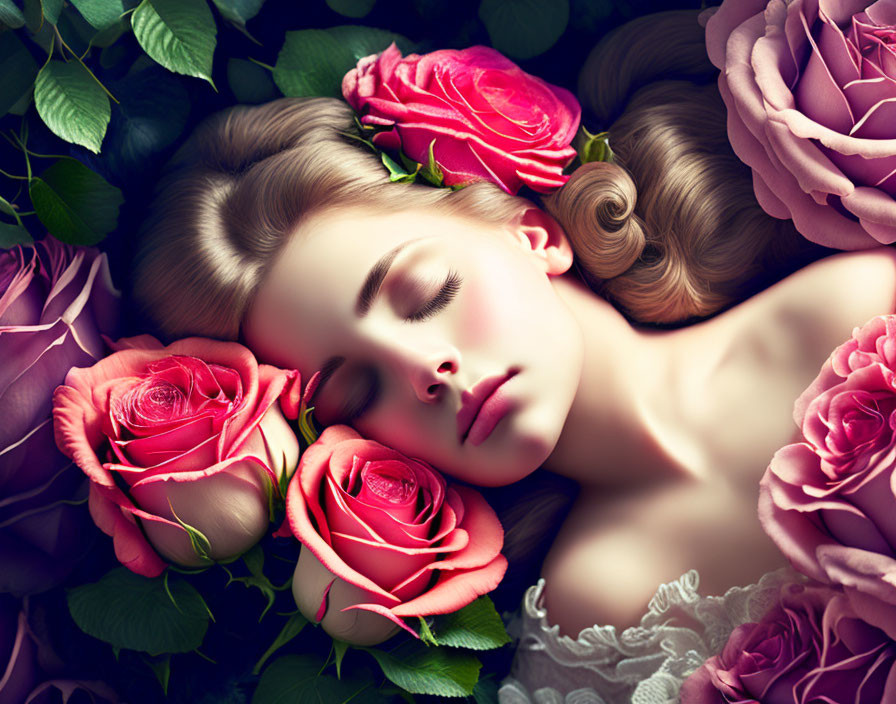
(444, 296)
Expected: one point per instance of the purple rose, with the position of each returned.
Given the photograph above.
(55, 300)
(829, 503)
(810, 87)
(812, 647)
(22, 681)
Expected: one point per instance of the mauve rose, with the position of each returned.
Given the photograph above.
(189, 433)
(829, 503)
(488, 119)
(810, 87)
(55, 301)
(383, 537)
(22, 680)
(812, 647)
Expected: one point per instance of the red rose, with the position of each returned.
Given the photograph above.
(185, 435)
(486, 119)
(383, 537)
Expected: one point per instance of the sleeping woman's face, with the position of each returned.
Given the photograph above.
(438, 336)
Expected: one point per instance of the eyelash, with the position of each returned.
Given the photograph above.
(366, 401)
(440, 300)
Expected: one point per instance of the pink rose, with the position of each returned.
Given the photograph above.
(384, 538)
(811, 92)
(812, 647)
(184, 435)
(55, 301)
(486, 118)
(829, 503)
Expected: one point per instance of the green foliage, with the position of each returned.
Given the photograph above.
(72, 104)
(238, 11)
(249, 82)
(313, 61)
(179, 34)
(130, 611)
(10, 15)
(420, 669)
(298, 678)
(524, 28)
(75, 204)
(293, 626)
(476, 626)
(11, 235)
(352, 8)
(101, 14)
(19, 70)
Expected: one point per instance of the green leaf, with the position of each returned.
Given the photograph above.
(477, 626)
(423, 670)
(179, 34)
(340, 648)
(486, 691)
(100, 13)
(313, 61)
(431, 172)
(152, 113)
(295, 678)
(524, 28)
(72, 104)
(11, 235)
(293, 626)
(250, 82)
(19, 70)
(107, 37)
(352, 8)
(162, 670)
(51, 10)
(397, 172)
(238, 11)
(130, 611)
(10, 15)
(75, 204)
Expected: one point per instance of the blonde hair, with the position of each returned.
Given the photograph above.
(672, 230)
(242, 183)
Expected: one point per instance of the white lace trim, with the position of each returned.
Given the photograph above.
(645, 664)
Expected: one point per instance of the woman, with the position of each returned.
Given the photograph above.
(450, 326)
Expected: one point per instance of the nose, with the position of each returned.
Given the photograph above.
(429, 373)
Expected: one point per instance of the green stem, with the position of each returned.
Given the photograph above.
(259, 63)
(14, 141)
(13, 176)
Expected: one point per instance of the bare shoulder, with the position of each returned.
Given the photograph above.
(826, 300)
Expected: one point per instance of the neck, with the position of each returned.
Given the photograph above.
(620, 427)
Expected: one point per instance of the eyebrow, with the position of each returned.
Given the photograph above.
(375, 277)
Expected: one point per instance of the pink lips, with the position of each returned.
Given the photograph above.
(482, 407)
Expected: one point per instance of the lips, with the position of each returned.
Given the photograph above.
(473, 399)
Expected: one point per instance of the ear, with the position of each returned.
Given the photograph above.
(537, 231)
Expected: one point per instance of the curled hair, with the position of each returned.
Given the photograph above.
(671, 231)
(240, 186)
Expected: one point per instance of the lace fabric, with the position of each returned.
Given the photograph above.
(645, 664)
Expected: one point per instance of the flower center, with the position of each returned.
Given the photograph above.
(395, 490)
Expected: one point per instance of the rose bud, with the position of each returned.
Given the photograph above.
(184, 446)
(384, 538)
